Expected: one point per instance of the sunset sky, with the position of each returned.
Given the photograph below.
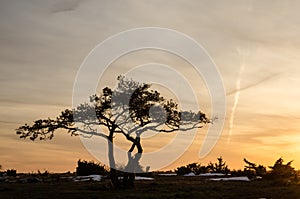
(254, 44)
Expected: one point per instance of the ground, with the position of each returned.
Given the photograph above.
(161, 187)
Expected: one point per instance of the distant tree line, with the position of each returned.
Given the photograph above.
(278, 173)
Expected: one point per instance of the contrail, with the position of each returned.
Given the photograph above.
(237, 94)
(252, 85)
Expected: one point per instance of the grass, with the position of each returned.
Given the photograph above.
(161, 187)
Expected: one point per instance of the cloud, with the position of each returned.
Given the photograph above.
(66, 6)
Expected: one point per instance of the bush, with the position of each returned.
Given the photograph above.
(282, 173)
(11, 172)
(45, 173)
(88, 168)
(182, 170)
(251, 169)
(237, 173)
(195, 167)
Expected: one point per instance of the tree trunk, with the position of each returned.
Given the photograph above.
(115, 182)
(133, 163)
(132, 166)
(129, 175)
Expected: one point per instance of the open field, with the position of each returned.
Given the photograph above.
(161, 187)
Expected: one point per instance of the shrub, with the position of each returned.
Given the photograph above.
(182, 170)
(197, 168)
(11, 172)
(45, 173)
(193, 167)
(251, 170)
(282, 173)
(88, 168)
(237, 173)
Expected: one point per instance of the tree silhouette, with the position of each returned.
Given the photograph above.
(130, 109)
(219, 167)
(253, 170)
(282, 173)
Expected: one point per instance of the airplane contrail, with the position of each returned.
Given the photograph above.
(238, 89)
(237, 93)
(253, 85)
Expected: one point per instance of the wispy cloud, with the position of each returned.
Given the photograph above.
(66, 6)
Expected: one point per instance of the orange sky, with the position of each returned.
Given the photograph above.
(44, 43)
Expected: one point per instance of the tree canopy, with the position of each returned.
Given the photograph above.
(130, 101)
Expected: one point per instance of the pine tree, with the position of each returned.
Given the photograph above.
(219, 167)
